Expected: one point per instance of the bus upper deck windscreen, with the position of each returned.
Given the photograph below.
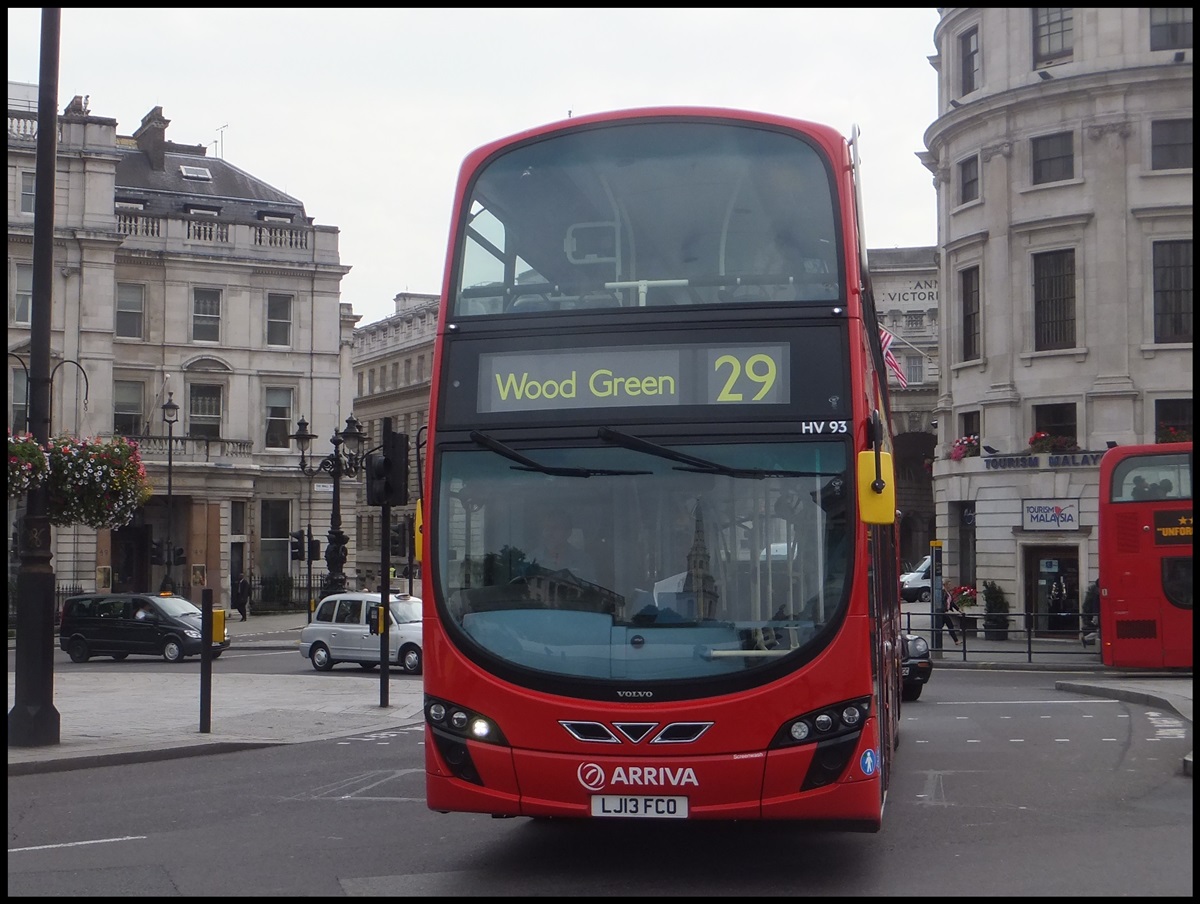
(646, 214)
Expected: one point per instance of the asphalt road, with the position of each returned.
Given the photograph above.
(1003, 785)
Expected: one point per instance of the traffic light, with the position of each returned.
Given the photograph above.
(178, 558)
(387, 471)
(156, 552)
(399, 540)
(314, 549)
(297, 545)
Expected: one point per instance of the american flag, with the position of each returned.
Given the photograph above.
(890, 358)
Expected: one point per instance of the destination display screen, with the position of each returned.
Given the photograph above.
(644, 376)
(791, 374)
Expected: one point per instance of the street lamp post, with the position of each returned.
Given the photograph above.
(344, 461)
(170, 415)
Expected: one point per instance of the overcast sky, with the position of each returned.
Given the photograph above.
(365, 115)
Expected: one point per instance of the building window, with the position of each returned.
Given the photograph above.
(969, 281)
(1173, 291)
(1173, 420)
(274, 553)
(968, 180)
(1171, 144)
(204, 411)
(20, 399)
(279, 417)
(128, 416)
(237, 518)
(914, 369)
(968, 423)
(1056, 420)
(913, 320)
(206, 315)
(968, 50)
(1053, 158)
(27, 192)
(359, 377)
(1053, 35)
(420, 368)
(22, 294)
(131, 311)
(1170, 28)
(396, 376)
(371, 381)
(408, 371)
(279, 320)
(1054, 300)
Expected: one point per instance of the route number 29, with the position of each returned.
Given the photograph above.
(758, 368)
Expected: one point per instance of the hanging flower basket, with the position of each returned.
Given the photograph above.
(965, 447)
(26, 464)
(95, 483)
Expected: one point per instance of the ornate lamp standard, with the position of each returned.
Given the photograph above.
(344, 461)
(170, 415)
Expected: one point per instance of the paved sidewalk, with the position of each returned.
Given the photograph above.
(117, 717)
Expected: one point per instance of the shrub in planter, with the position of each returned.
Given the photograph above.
(995, 609)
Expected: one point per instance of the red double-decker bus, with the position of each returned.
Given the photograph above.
(1145, 533)
(660, 572)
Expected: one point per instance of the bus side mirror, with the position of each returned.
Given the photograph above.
(373, 613)
(876, 488)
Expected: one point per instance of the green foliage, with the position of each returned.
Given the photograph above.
(995, 602)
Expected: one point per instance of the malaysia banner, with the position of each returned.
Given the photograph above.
(890, 358)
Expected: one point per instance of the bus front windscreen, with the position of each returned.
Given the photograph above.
(638, 561)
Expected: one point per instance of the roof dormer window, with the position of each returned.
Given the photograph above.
(196, 173)
(195, 210)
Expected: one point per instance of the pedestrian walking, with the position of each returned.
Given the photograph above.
(241, 595)
(950, 612)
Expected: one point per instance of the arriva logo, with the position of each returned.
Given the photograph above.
(593, 778)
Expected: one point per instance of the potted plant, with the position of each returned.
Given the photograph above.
(1045, 442)
(965, 447)
(995, 612)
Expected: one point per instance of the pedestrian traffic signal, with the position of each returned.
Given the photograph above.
(178, 558)
(387, 471)
(399, 540)
(314, 549)
(297, 545)
(156, 552)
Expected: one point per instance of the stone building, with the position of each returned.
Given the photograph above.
(1062, 156)
(179, 278)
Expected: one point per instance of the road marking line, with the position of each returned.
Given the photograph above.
(49, 847)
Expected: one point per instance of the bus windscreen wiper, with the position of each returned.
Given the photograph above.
(692, 462)
(528, 464)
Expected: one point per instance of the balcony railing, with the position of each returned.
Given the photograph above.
(192, 448)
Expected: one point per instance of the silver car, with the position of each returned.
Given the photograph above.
(341, 632)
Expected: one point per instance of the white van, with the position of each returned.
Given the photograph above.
(915, 585)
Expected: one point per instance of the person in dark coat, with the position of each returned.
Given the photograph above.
(241, 595)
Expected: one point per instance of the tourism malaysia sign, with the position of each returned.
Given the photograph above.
(1050, 514)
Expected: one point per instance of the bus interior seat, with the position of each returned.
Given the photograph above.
(599, 300)
(524, 304)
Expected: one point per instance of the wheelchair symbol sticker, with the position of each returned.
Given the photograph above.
(869, 762)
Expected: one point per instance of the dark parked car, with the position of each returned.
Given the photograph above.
(120, 624)
(917, 666)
